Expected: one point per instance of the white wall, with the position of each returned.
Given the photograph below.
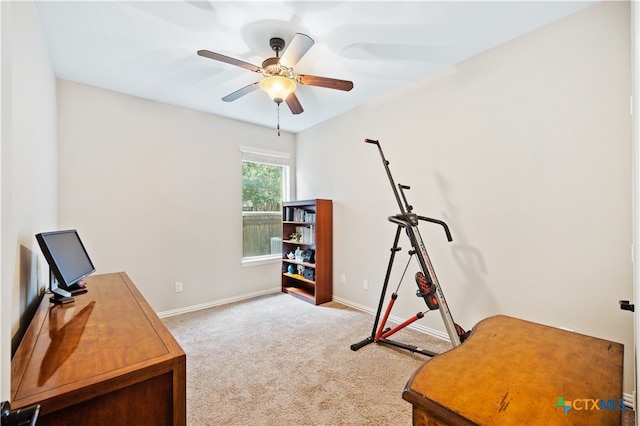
(5, 136)
(635, 81)
(28, 156)
(155, 191)
(526, 152)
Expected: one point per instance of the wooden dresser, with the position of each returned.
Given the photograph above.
(105, 359)
(515, 372)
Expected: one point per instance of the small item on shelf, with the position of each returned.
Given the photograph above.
(301, 270)
(291, 269)
(299, 255)
(291, 256)
(309, 256)
(310, 274)
(296, 237)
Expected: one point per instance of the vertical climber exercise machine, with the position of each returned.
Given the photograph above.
(428, 286)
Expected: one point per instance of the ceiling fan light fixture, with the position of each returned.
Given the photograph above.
(278, 87)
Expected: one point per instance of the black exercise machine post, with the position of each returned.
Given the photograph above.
(409, 221)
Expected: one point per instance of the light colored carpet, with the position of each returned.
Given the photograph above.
(276, 360)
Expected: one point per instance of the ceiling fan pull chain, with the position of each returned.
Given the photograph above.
(278, 119)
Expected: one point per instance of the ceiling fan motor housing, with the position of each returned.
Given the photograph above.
(277, 44)
(271, 66)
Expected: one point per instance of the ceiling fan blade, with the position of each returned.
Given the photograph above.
(294, 104)
(228, 60)
(241, 92)
(297, 48)
(330, 83)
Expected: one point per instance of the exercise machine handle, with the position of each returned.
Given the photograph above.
(428, 219)
(412, 219)
(402, 187)
(439, 222)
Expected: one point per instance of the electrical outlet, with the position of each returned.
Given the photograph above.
(365, 284)
(343, 279)
(177, 287)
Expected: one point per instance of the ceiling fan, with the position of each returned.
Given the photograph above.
(279, 80)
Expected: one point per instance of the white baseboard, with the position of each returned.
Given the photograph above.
(396, 320)
(220, 302)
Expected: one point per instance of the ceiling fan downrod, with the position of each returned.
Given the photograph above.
(278, 119)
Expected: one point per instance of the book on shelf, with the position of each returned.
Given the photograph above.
(294, 214)
(307, 234)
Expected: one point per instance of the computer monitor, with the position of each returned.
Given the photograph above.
(68, 262)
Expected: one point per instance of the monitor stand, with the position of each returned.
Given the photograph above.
(60, 296)
(77, 291)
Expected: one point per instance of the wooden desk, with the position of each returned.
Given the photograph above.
(512, 372)
(105, 359)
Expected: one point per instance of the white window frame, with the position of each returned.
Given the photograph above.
(276, 158)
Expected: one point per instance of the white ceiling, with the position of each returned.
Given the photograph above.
(148, 48)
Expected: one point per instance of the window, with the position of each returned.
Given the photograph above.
(265, 185)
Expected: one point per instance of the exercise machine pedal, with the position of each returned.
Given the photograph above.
(426, 290)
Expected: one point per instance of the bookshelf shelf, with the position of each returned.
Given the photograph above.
(295, 262)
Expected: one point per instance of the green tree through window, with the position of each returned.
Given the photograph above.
(263, 189)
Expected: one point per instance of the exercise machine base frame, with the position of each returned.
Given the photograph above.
(405, 346)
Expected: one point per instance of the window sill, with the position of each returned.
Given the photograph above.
(260, 260)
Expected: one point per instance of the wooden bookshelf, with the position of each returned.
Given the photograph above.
(313, 221)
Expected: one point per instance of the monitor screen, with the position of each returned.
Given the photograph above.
(66, 255)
